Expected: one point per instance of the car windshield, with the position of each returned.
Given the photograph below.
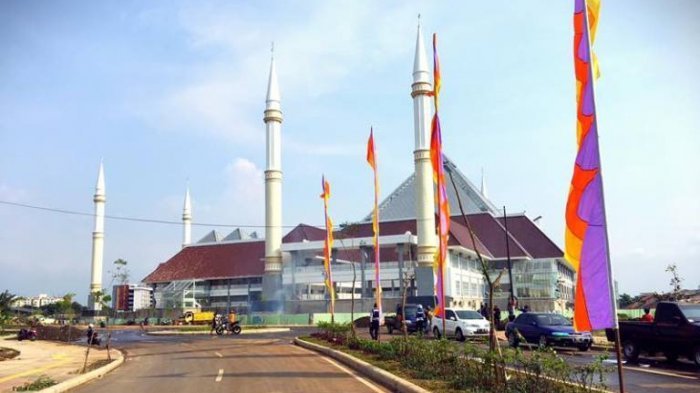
(691, 312)
(468, 314)
(411, 312)
(552, 320)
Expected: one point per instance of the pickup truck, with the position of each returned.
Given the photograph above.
(393, 322)
(675, 332)
(460, 324)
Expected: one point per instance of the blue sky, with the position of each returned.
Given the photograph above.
(165, 91)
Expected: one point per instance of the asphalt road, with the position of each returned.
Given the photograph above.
(264, 363)
(268, 363)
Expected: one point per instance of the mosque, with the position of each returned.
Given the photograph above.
(251, 272)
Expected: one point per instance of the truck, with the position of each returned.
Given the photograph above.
(460, 324)
(393, 321)
(675, 332)
(197, 317)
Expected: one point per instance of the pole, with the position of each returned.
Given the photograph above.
(605, 216)
(228, 298)
(511, 301)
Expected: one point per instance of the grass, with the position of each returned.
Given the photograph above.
(40, 383)
(8, 353)
(391, 366)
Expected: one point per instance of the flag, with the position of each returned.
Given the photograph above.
(328, 244)
(586, 230)
(372, 161)
(436, 160)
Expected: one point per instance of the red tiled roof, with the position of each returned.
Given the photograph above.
(492, 235)
(531, 237)
(304, 232)
(364, 229)
(460, 236)
(212, 261)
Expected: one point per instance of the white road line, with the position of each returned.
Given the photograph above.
(351, 373)
(218, 354)
(220, 376)
(664, 373)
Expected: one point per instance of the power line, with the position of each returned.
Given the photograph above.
(134, 219)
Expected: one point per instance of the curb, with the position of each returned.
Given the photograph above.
(206, 332)
(87, 377)
(385, 378)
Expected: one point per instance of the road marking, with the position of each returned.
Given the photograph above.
(351, 373)
(664, 373)
(36, 370)
(220, 376)
(218, 354)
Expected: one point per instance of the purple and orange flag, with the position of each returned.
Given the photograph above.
(436, 160)
(372, 161)
(328, 244)
(586, 229)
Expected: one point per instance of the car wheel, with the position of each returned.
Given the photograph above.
(630, 350)
(390, 329)
(584, 347)
(236, 329)
(671, 356)
(459, 335)
(512, 340)
(436, 332)
(696, 356)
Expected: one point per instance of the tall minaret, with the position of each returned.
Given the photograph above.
(98, 236)
(425, 198)
(272, 279)
(484, 191)
(187, 220)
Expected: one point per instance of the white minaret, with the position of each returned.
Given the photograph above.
(272, 279)
(187, 220)
(425, 197)
(98, 236)
(484, 191)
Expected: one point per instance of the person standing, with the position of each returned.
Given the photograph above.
(374, 323)
(497, 317)
(420, 320)
(647, 317)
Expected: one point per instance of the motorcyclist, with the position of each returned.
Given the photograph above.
(92, 335)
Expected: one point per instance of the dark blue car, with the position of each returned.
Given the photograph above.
(544, 329)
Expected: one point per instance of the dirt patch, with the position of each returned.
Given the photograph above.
(8, 353)
(64, 333)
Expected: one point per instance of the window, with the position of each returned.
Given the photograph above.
(450, 314)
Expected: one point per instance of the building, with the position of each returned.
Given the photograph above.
(286, 272)
(131, 297)
(36, 301)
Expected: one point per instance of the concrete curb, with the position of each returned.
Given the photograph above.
(207, 332)
(87, 377)
(385, 378)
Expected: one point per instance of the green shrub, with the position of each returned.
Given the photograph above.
(40, 383)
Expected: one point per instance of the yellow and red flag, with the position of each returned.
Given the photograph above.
(328, 244)
(372, 161)
(436, 160)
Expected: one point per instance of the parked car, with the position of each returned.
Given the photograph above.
(393, 322)
(545, 329)
(675, 332)
(461, 324)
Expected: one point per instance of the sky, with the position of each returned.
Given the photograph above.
(170, 93)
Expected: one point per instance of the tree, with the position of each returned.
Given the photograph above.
(675, 280)
(102, 298)
(120, 274)
(625, 300)
(6, 299)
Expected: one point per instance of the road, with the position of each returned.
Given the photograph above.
(266, 363)
(270, 363)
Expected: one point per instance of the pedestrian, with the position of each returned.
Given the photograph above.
(420, 320)
(497, 316)
(374, 323)
(214, 322)
(647, 317)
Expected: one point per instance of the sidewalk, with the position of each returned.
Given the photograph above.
(58, 361)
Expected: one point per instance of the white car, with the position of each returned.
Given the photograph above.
(461, 324)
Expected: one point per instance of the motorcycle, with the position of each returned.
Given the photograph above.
(231, 327)
(26, 334)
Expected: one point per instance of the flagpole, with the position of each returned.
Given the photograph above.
(616, 327)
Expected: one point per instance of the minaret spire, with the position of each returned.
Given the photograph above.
(484, 191)
(98, 240)
(425, 198)
(187, 219)
(272, 278)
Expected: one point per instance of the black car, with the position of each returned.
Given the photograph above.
(546, 329)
